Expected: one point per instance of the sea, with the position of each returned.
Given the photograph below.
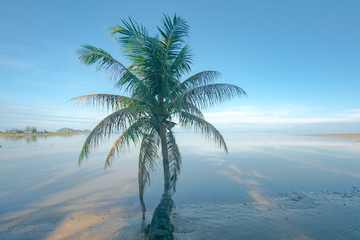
(268, 186)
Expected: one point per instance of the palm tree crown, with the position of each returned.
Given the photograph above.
(155, 99)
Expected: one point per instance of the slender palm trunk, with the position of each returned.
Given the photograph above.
(165, 156)
(160, 227)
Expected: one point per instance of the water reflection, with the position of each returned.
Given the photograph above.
(263, 165)
(33, 139)
(43, 187)
(27, 139)
(41, 182)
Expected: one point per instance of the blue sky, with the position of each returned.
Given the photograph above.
(297, 60)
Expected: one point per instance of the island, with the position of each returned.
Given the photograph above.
(32, 131)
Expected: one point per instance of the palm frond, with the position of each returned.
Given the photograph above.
(182, 62)
(108, 101)
(148, 57)
(198, 124)
(199, 79)
(149, 154)
(133, 37)
(173, 32)
(174, 158)
(123, 76)
(132, 134)
(115, 122)
(90, 55)
(208, 95)
(179, 105)
(154, 67)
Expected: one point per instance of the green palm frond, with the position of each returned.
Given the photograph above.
(149, 154)
(108, 101)
(179, 105)
(132, 84)
(208, 95)
(182, 62)
(115, 122)
(173, 32)
(132, 134)
(90, 55)
(133, 37)
(199, 79)
(147, 55)
(196, 80)
(154, 66)
(198, 124)
(174, 158)
(125, 78)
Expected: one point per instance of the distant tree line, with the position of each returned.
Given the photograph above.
(28, 129)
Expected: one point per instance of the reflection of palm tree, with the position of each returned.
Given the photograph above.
(155, 97)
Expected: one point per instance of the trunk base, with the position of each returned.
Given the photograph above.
(160, 226)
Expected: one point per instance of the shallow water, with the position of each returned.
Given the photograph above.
(269, 186)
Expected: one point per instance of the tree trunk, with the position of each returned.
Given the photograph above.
(165, 157)
(160, 227)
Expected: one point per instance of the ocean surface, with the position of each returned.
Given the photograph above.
(269, 186)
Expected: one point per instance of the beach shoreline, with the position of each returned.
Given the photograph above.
(340, 135)
(288, 215)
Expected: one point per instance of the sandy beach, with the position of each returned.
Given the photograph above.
(299, 215)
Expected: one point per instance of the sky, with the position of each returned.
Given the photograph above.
(298, 61)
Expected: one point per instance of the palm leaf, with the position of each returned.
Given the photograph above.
(174, 158)
(132, 83)
(147, 54)
(133, 37)
(115, 122)
(148, 156)
(90, 55)
(181, 63)
(208, 95)
(173, 32)
(179, 105)
(198, 124)
(108, 101)
(125, 78)
(132, 134)
(199, 79)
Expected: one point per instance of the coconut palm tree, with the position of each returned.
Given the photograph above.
(155, 100)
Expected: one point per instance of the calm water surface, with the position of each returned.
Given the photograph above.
(42, 185)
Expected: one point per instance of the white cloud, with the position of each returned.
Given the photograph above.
(245, 118)
(282, 115)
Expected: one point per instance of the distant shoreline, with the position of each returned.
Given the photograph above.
(38, 134)
(341, 135)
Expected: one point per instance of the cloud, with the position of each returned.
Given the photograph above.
(245, 118)
(281, 115)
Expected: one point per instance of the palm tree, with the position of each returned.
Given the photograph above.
(154, 101)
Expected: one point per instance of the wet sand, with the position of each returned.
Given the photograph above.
(299, 215)
(296, 216)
